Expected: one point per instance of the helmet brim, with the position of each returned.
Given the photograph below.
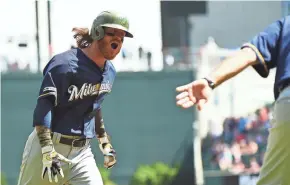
(120, 27)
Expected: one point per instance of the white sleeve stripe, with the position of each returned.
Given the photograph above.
(49, 94)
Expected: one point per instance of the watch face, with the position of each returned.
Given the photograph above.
(210, 83)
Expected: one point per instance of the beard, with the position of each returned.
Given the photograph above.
(109, 49)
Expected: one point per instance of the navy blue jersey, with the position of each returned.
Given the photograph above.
(272, 47)
(76, 86)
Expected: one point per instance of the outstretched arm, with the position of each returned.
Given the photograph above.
(199, 91)
(233, 65)
(261, 53)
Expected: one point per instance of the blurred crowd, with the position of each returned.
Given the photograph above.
(241, 146)
(21, 55)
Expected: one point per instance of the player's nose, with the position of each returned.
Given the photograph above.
(118, 38)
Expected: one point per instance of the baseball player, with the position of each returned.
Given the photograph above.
(268, 49)
(68, 113)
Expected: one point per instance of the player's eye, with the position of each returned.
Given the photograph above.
(110, 34)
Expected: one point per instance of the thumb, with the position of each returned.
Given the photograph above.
(63, 159)
(201, 104)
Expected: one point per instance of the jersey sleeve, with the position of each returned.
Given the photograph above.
(55, 82)
(56, 79)
(265, 44)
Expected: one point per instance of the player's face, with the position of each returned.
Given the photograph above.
(112, 42)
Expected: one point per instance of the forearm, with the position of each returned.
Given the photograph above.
(104, 141)
(42, 121)
(99, 125)
(44, 135)
(233, 65)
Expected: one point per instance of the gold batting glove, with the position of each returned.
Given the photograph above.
(108, 152)
(51, 163)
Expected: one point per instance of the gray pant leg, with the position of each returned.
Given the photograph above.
(276, 165)
(31, 167)
(85, 170)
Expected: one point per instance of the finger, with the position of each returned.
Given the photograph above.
(44, 169)
(192, 99)
(56, 164)
(183, 101)
(109, 167)
(55, 178)
(200, 104)
(111, 163)
(63, 159)
(49, 174)
(182, 88)
(61, 173)
(182, 95)
(187, 105)
(54, 171)
(190, 94)
(107, 160)
(111, 159)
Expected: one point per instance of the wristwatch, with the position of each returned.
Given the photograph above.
(211, 84)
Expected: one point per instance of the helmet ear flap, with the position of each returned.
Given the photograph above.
(101, 32)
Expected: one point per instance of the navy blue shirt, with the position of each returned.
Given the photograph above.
(76, 87)
(272, 47)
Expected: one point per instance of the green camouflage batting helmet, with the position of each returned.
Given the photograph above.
(112, 20)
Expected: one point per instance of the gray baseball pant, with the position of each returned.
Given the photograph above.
(275, 169)
(82, 171)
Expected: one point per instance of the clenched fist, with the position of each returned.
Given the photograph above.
(108, 152)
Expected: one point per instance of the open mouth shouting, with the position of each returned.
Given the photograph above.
(114, 45)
